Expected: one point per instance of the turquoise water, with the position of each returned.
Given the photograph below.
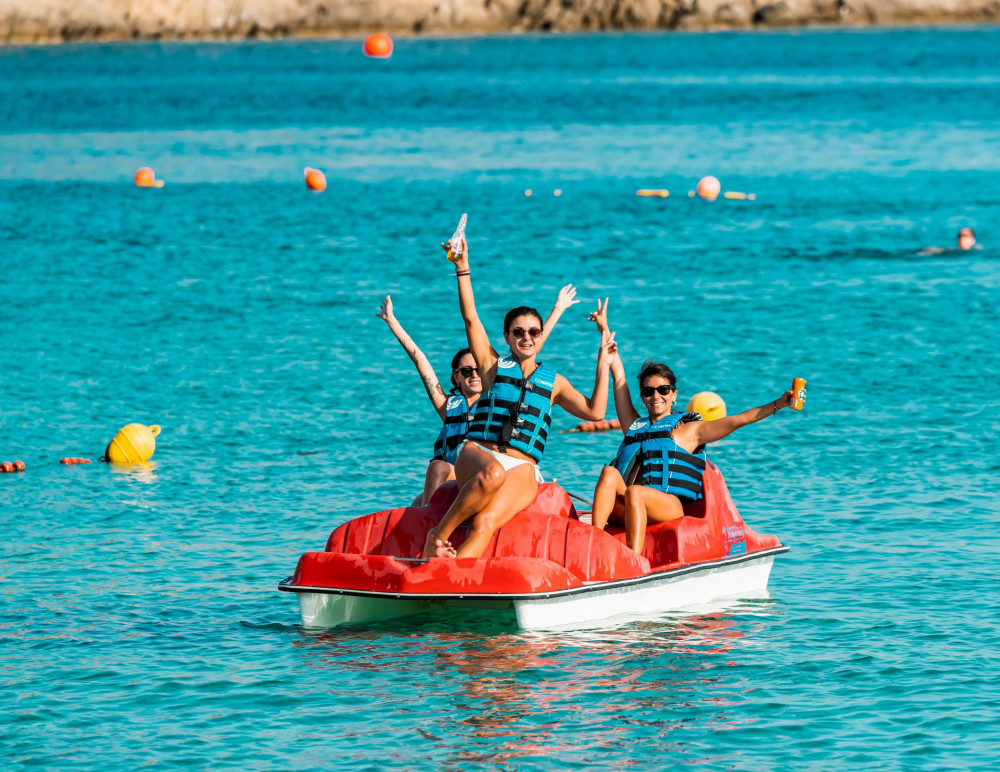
(140, 624)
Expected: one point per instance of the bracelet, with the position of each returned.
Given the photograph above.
(462, 273)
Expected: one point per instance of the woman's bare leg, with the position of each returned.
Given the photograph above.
(438, 473)
(644, 504)
(517, 492)
(608, 493)
(479, 477)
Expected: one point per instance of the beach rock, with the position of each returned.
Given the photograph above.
(27, 21)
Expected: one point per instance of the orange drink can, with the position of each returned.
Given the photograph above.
(798, 393)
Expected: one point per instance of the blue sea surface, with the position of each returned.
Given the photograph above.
(140, 623)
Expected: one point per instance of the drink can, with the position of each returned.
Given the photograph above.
(798, 393)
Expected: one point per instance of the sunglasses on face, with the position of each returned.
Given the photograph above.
(520, 332)
(647, 391)
(467, 372)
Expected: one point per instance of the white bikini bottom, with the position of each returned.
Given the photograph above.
(509, 462)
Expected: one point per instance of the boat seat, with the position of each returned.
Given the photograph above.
(547, 529)
(711, 528)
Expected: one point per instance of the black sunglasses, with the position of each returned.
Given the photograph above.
(520, 332)
(467, 371)
(647, 391)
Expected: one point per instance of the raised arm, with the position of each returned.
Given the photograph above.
(565, 299)
(479, 341)
(704, 432)
(626, 412)
(437, 396)
(624, 409)
(594, 407)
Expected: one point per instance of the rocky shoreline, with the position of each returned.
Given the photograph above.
(54, 21)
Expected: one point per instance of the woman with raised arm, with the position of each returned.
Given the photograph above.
(455, 408)
(497, 468)
(659, 465)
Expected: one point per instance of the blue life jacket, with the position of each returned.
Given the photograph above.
(515, 411)
(456, 424)
(662, 463)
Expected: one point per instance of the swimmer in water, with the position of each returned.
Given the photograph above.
(455, 408)
(965, 241)
(497, 467)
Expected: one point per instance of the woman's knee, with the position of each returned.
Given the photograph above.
(491, 477)
(439, 468)
(632, 497)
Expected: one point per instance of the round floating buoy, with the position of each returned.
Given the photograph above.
(378, 46)
(708, 404)
(19, 466)
(132, 444)
(315, 180)
(652, 193)
(557, 192)
(709, 187)
(6, 466)
(71, 460)
(529, 192)
(145, 177)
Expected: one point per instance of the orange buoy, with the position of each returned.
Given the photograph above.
(72, 460)
(145, 177)
(709, 187)
(378, 46)
(6, 466)
(315, 180)
(595, 426)
(19, 466)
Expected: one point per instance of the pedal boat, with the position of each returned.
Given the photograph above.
(546, 566)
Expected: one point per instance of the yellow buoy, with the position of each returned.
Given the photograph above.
(132, 444)
(652, 193)
(708, 404)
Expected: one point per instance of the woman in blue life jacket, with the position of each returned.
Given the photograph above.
(455, 408)
(497, 469)
(659, 465)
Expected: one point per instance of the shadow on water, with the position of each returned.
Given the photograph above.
(501, 697)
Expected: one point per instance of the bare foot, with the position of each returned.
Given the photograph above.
(443, 549)
(430, 544)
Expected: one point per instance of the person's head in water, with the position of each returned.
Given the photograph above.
(657, 389)
(522, 329)
(966, 238)
(464, 375)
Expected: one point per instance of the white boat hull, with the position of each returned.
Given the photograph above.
(668, 592)
(744, 576)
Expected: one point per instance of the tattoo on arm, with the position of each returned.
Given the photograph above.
(432, 385)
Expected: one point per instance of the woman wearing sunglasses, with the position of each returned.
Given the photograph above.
(497, 468)
(659, 464)
(455, 408)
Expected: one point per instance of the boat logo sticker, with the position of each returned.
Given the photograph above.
(735, 538)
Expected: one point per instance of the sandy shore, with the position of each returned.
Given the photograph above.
(53, 21)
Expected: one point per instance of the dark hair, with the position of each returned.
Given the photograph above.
(520, 311)
(454, 366)
(966, 228)
(651, 367)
